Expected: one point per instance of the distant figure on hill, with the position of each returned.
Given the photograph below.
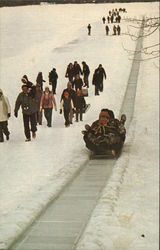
(53, 76)
(103, 19)
(118, 30)
(89, 29)
(114, 30)
(107, 30)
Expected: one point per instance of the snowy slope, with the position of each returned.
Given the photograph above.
(38, 38)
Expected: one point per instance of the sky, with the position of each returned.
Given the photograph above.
(38, 38)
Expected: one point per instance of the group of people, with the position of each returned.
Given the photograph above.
(35, 100)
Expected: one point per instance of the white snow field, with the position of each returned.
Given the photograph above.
(38, 38)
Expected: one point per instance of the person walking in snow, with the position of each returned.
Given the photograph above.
(29, 109)
(100, 74)
(77, 69)
(53, 76)
(72, 95)
(77, 83)
(86, 72)
(40, 80)
(47, 103)
(103, 20)
(38, 96)
(89, 29)
(66, 105)
(5, 113)
(114, 30)
(80, 103)
(118, 30)
(107, 30)
(70, 72)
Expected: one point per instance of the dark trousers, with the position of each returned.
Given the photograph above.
(79, 112)
(29, 120)
(54, 85)
(97, 89)
(48, 116)
(66, 116)
(85, 79)
(39, 117)
(3, 129)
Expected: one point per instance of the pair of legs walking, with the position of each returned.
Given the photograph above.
(48, 116)
(4, 130)
(79, 112)
(29, 120)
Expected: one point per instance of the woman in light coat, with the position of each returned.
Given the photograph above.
(5, 113)
(47, 103)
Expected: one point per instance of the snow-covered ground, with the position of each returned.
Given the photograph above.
(38, 38)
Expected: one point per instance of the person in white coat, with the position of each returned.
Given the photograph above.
(5, 113)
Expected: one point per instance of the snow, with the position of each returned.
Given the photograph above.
(38, 38)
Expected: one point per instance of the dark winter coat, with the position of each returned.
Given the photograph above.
(40, 80)
(86, 70)
(77, 69)
(53, 76)
(72, 94)
(27, 103)
(66, 103)
(70, 73)
(100, 74)
(77, 83)
(80, 102)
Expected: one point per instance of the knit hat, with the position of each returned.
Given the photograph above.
(24, 79)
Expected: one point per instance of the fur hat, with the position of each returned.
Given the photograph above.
(24, 79)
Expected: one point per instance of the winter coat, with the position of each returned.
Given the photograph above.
(53, 77)
(27, 103)
(5, 108)
(70, 73)
(72, 94)
(48, 101)
(66, 103)
(100, 74)
(77, 83)
(77, 69)
(80, 102)
(86, 70)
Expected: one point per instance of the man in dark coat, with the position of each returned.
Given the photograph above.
(89, 29)
(53, 76)
(70, 72)
(77, 83)
(29, 108)
(76, 69)
(98, 77)
(107, 30)
(118, 30)
(86, 72)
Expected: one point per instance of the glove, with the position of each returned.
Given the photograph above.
(60, 111)
(9, 115)
(16, 114)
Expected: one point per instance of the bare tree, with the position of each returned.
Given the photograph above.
(150, 26)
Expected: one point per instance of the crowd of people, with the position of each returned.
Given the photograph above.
(109, 21)
(36, 100)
